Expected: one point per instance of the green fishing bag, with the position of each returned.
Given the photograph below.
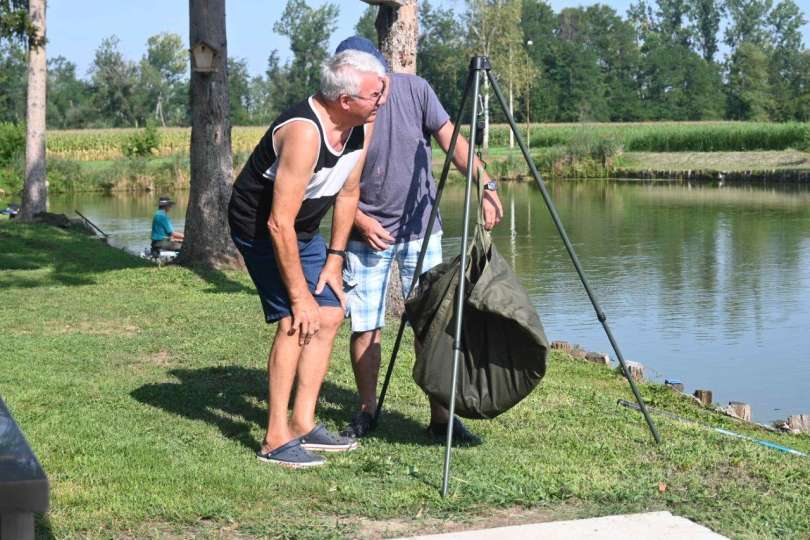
(504, 346)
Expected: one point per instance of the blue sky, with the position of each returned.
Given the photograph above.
(76, 27)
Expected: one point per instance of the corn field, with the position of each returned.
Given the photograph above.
(107, 144)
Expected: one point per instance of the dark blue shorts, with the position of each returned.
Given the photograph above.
(260, 260)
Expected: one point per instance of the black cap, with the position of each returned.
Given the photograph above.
(165, 202)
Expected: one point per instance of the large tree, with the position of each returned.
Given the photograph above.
(748, 22)
(749, 92)
(786, 63)
(706, 16)
(207, 243)
(67, 96)
(539, 24)
(35, 189)
(114, 83)
(162, 71)
(309, 31)
(439, 61)
(13, 68)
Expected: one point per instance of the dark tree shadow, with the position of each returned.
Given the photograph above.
(226, 397)
(75, 259)
(219, 282)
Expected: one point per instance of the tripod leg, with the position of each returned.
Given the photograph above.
(434, 212)
(475, 68)
(570, 248)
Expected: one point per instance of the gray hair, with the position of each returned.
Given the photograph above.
(340, 74)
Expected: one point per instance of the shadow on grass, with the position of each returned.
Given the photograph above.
(226, 397)
(74, 259)
(42, 527)
(219, 282)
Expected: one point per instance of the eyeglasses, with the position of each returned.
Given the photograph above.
(375, 97)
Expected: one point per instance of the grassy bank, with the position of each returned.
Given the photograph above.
(142, 392)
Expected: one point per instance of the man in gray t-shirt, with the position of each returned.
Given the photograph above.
(397, 193)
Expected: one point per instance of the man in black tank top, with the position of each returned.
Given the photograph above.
(309, 161)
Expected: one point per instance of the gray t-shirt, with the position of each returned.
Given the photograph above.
(397, 187)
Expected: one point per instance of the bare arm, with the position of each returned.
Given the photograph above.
(342, 219)
(493, 211)
(298, 145)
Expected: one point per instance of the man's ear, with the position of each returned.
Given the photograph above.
(344, 102)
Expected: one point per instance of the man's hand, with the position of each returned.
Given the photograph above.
(332, 275)
(374, 233)
(306, 318)
(493, 211)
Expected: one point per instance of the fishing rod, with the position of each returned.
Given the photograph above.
(762, 442)
(105, 235)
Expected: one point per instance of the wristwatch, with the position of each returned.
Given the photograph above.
(338, 252)
(492, 185)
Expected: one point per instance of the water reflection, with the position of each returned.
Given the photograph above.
(703, 284)
(706, 284)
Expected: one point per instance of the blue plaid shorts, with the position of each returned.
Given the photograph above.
(367, 273)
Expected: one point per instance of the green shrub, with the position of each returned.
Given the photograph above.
(12, 142)
(64, 176)
(142, 143)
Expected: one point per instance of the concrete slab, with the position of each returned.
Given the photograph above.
(649, 526)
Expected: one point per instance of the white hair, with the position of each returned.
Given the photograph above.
(340, 74)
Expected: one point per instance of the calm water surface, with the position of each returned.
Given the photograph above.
(703, 284)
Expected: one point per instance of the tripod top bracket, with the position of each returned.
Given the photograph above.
(478, 63)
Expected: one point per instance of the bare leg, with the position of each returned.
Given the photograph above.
(312, 367)
(288, 359)
(281, 367)
(365, 353)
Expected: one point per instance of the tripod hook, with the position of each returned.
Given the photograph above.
(478, 63)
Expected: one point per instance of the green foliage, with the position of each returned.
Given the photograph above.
(749, 91)
(13, 82)
(65, 176)
(68, 96)
(365, 25)
(114, 81)
(12, 142)
(438, 60)
(309, 31)
(142, 143)
(15, 24)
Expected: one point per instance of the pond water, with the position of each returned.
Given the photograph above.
(703, 284)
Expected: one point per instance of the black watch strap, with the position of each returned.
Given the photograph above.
(338, 252)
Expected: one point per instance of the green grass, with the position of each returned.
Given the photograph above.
(142, 390)
(717, 161)
(672, 136)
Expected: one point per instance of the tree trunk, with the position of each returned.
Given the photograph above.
(208, 243)
(35, 190)
(398, 33)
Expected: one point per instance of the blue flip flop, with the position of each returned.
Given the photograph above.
(292, 455)
(321, 440)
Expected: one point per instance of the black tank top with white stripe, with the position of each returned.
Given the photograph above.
(252, 196)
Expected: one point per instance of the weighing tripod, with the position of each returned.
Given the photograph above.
(480, 66)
